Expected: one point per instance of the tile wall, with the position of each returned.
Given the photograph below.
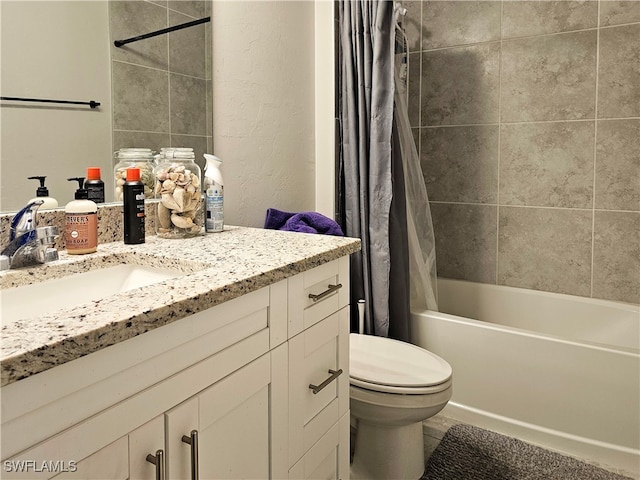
(161, 86)
(527, 119)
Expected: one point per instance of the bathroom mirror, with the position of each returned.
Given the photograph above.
(153, 93)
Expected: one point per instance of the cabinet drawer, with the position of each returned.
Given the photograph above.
(328, 458)
(317, 293)
(312, 355)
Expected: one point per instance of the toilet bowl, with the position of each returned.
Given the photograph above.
(394, 386)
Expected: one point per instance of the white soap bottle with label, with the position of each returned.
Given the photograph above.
(80, 222)
(213, 195)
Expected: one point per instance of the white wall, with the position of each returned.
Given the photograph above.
(264, 104)
(41, 57)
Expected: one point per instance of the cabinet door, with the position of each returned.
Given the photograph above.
(109, 462)
(234, 424)
(316, 357)
(180, 421)
(143, 441)
(328, 459)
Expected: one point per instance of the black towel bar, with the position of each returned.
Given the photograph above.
(91, 103)
(120, 43)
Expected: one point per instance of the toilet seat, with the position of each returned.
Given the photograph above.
(390, 366)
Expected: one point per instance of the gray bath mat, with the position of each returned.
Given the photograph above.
(471, 453)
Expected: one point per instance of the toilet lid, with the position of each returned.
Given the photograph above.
(383, 361)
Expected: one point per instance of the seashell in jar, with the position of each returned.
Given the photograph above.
(162, 176)
(182, 198)
(174, 176)
(169, 202)
(181, 221)
(182, 180)
(193, 203)
(164, 216)
(195, 181)
(168, 186)
(179, 168)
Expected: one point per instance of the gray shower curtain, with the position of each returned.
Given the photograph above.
(367, 48)
(377, 170)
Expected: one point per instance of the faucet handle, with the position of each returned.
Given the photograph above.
(25, 220)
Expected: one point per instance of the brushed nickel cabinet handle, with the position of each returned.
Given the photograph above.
(330, 289)
(193, 441)
(334, 374)
(158, 461)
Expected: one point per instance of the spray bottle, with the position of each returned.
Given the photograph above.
(214, 195)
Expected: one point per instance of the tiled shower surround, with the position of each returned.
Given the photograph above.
(161, 86)
(526, 115)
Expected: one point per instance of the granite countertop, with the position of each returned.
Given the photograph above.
(219, 267)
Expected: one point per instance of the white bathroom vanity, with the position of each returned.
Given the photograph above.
(237, 368)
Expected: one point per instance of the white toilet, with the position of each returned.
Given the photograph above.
(394, 386)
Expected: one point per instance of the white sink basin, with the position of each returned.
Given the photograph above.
(40, 298)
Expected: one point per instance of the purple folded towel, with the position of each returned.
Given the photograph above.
(306, 222)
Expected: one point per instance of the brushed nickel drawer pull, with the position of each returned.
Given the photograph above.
(334, 374)
(328, 291)
(193, 441)
(158, 461)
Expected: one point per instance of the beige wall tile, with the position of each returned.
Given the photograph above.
(140, 98)
(465, 241)
(187, 47)
(547, 164)
(132, 18)
(525, 18)
(460, 85)
(545, 249)
(615, 13)
(195, 8)
(459, 23)
(413, 24)
(548, 110)
(460, 164)
(188, 105)
(413, 104)
(616, 256)
(549, 78)
(618, 165)
(619, 72)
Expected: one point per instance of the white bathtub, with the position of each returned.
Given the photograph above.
(555, 370)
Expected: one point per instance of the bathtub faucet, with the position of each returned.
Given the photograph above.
(29, 245)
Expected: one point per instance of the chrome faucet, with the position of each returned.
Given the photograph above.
(29, 245)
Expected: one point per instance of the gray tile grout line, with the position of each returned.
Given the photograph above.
(497, 262)
(595, 150)
(512, 39)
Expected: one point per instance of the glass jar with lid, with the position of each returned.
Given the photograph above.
(141, 158)
(177, 185)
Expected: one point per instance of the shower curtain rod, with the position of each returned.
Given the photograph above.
(120, 43)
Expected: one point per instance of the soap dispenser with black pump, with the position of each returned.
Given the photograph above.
(42, 193)
(81, 222)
